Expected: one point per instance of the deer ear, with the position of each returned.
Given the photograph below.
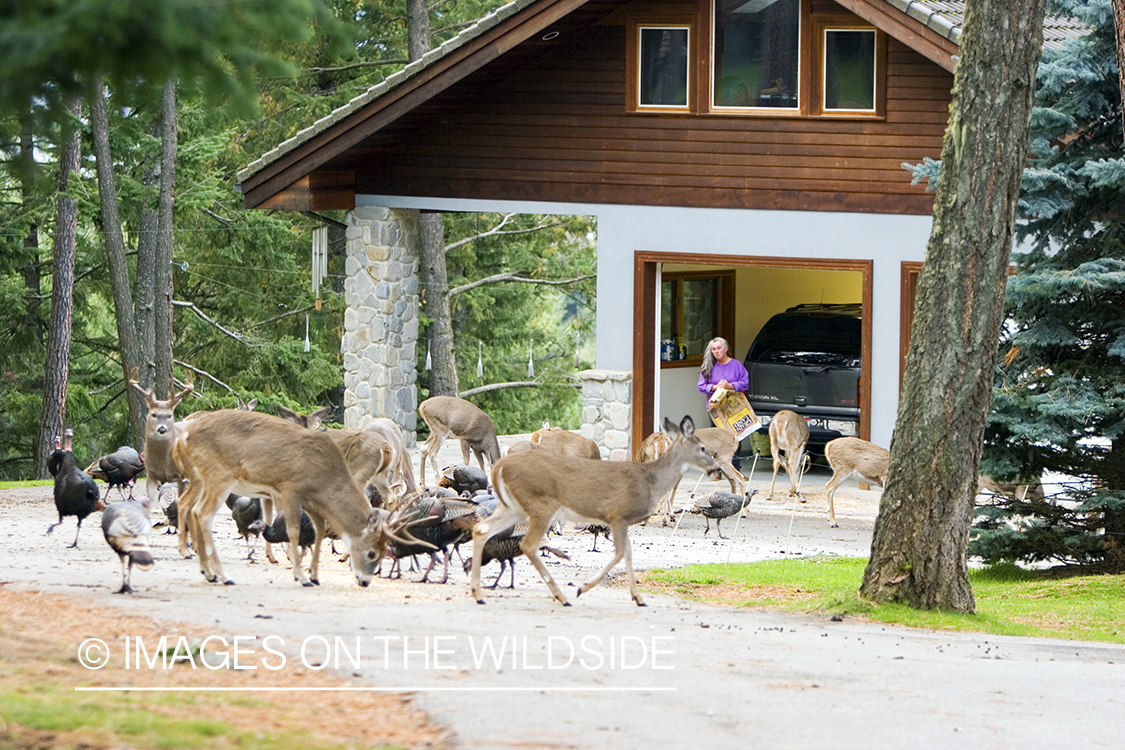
(687, 426)
(671, 428)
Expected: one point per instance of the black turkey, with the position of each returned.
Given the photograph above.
(76, 492)
(118, 469)
(245, 511)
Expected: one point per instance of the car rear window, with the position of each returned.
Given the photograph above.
(787, 337)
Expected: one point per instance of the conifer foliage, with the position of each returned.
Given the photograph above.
(1059, 400)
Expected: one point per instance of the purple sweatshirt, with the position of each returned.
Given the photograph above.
(733, 372)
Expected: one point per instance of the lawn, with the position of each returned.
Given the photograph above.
(1010, 600)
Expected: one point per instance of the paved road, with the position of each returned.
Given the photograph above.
(670, 675)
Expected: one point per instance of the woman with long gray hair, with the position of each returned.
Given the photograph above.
(720, 370)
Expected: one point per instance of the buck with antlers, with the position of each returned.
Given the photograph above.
(535, 486)
(160, 435)
(252, 453)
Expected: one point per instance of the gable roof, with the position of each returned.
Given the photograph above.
(931, 27)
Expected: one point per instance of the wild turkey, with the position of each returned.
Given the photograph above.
(595, 529)
(464, 479)
(719, 505)
(245, 511)
(76, 492)
(278, 532)
(118, 469)
(172, 514)
(505, 547)
(433, 524)
(127, 528)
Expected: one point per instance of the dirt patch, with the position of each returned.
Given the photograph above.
(31, 656)
(727, 594)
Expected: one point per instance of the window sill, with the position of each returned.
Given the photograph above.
(671, 364)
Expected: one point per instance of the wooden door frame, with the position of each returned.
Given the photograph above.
(644, 323)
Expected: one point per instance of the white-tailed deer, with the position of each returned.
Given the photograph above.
(449, 415)
(789, 433)
(851, 456)
(368, 454)
(402, 470)
(565, 442)
(719, 440)
(160, 435)
(537, 486)
(251, 453)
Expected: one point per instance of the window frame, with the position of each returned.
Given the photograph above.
(724, 308)
(635, 24)
(803, 75)
(821, 25)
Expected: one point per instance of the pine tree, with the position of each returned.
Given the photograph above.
(1059, 400)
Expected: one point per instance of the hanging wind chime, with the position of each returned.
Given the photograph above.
(531, 359)
(319, 260)
(480, 361)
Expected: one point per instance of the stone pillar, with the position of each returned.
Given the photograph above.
(381, 322)
(607, 411)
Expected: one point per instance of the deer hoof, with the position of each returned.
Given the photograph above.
(315, 581)
(308, 584)
(228, 582)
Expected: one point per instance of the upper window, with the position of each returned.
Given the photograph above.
(757, 53)
(849, 70)
(663, 54)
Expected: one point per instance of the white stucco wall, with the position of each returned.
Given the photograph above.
(886, 240)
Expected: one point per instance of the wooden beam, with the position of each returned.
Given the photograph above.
(910, 32)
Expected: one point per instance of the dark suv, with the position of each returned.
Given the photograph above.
(807, 359)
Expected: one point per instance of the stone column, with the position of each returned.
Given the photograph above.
(381, 322)
(607, 411)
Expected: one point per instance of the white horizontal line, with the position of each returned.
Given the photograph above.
(125, 688)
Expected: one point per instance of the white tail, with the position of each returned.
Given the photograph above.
(160, 435)
(789, 432)
(535, 486)
(565, 442)
(258, 454)
(448, 415)
(369, 456)
(848, 456)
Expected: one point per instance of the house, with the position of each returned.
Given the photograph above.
(740, 156)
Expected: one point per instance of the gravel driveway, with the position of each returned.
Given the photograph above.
(524, 672)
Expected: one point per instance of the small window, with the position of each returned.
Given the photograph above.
(849, 70)
(663, 60)
(757, 53)
(694, 308)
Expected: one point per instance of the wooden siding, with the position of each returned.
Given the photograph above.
(557, 129)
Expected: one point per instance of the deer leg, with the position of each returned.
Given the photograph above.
(530, 547)
(267, 518)
(776, 464)
(830, 490)
(621, 550)
(184, 504)
(319, 527)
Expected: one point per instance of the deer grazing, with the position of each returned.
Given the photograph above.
(448, 415)
(719, 440)
(160, 435)
(789, 433)
(402, 471)
(535, 486)
(251, 453)
(368, 454)
(564, 441)
(851, 456)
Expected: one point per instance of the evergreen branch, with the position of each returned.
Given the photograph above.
(286, 314)
(207, 375)
(516, 276)
(355, 66)
(221, 219)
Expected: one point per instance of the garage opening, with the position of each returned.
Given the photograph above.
(682, 301)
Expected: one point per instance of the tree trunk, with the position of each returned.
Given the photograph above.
(162, 313)
(435, 279)
(132, 357)
(53, 417)
(1119, 34)
(918, 555)
(435, 306)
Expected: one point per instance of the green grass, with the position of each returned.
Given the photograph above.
(1010, 600)
(26, 483)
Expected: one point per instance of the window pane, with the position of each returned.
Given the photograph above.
(701, 313)
(664, 67)
(757, 45)
(849, 69)
(668, 310)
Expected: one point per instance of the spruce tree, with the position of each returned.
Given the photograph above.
(1059, 400)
